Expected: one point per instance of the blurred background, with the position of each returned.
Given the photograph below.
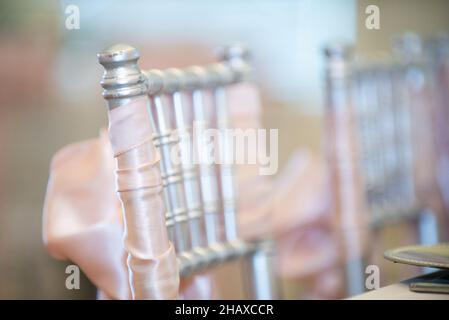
(50, 94)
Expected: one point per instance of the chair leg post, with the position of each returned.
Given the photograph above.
(260, 281)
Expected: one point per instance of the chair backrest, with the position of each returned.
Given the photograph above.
(376, 109)
(198, 192)
(380, 131)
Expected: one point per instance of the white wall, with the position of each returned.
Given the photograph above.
(286, 36)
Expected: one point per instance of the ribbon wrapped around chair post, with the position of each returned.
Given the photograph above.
(152, 264)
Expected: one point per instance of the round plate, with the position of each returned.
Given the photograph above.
(432, 256)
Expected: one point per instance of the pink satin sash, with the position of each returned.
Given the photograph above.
(152, 262)
(81, 219)
(293, 207)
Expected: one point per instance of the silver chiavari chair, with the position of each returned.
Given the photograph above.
(199, 192)
(371, 148)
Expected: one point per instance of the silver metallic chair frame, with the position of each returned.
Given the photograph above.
(372, 92)
(195, 195)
